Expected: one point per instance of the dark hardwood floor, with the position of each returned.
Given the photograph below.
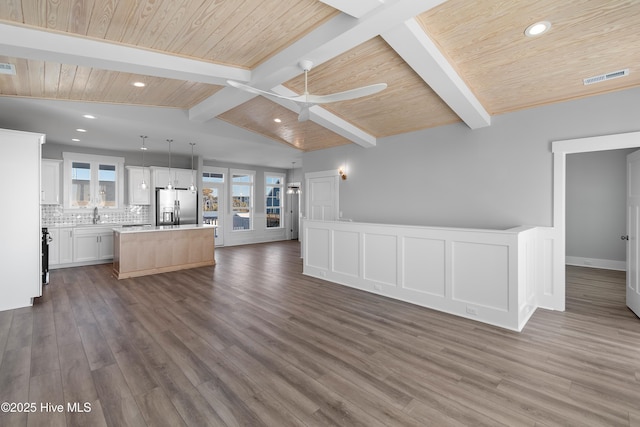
(253, 342)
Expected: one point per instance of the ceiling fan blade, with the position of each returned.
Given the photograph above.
(253, 90)
(347, 94)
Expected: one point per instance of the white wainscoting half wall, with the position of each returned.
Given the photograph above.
(485, 275)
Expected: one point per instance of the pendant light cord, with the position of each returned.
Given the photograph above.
(193, 186)
(169, 185)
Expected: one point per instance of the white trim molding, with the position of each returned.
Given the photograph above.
(560, 149)
(486, 275)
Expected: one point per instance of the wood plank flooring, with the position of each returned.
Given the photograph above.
(252, 342)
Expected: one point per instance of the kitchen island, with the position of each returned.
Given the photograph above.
(144, 250)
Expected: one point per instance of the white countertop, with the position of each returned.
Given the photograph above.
(148, 228)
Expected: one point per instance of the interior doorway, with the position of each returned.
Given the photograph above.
(560, 149)
(596, 214)
(293, 202)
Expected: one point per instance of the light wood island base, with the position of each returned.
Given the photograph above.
(161, 249)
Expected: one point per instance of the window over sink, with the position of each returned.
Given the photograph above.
(93, 181)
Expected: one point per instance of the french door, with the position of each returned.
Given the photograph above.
(213, 202)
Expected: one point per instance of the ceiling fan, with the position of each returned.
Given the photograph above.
(307, 100)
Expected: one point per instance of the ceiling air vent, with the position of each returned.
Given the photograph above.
(604, 77)
(7, 68)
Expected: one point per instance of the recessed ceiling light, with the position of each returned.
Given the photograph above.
(537, 29)
(75, 139)
(89, 116)
(277, 120)
(139, 84)
(81, 130)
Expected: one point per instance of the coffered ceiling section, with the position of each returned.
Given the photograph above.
(443, 61)
(484, 40)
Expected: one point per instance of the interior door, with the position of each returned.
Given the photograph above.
(322, 198)
(294, 214)
(633, 224)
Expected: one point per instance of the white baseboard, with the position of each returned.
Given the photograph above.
(607, 264)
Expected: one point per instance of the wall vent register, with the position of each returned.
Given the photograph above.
(605, 77)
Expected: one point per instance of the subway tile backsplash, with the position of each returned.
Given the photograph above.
(55, 216)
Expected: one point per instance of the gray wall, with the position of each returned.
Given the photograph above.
(495, 177)
(596, 204)
(131, 158)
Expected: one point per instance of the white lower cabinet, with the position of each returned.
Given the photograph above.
(54, 246)
(65, 245)
(61, 246)
(92, 244)
(106, 245)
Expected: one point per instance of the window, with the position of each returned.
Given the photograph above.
(80, 184)
(273, 204)
(107, 185)
(242, 199)
(93, 181)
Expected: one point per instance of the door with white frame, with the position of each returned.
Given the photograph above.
(553, 293)
(213, 199)
(322, 196)
(321, 199)
(633, 227)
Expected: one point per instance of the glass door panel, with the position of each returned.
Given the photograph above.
(213, 203)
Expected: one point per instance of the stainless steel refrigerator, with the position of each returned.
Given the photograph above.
(176, 207)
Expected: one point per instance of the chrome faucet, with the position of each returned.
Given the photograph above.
(96, 217)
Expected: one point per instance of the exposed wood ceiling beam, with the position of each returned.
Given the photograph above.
(392, 19)
(355, 8)
(334, 38)
(416, 48)
(29, 43)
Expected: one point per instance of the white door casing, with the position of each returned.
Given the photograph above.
(321, 199)
(322, 196)
(556, 298)
(633, 222)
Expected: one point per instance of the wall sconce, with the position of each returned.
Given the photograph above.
(343, 173)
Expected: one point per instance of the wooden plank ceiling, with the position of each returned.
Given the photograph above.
(482, 43)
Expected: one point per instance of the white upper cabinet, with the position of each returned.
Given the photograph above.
(50, 182)
(135, 177)
(93, 181)
(179, 178)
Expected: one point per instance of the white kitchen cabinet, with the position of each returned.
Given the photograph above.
(106, 245)
(64, 244)
(20, 225)
(54, 247)
(135, 176)
(61, 246)
(50, 182)
(180, 178)
(92, 244)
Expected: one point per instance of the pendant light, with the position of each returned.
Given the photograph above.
(169, 184)
(143, 184)
(192, 187)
